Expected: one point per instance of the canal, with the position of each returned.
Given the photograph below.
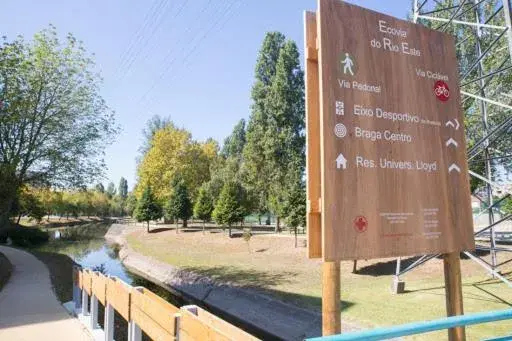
(86, 246)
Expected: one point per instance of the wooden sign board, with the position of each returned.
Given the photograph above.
(393, 168)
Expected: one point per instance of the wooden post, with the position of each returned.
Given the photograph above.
(453, 288)
(331, 305)
(312, 137)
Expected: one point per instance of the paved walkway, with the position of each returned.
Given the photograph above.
(29, 309)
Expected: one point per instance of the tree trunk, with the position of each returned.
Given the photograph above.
(229, 230)
(177, 226)
(148, 227)
(259, 219)
(278, 228)
(295, 230)
(184, 222)
(19, 218)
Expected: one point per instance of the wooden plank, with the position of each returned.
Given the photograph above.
(118, 295)
(193, 329)
(87, 281)
(313, 184)
(331, 303)
(80, 279)
(147, 324)
(231, 331)
(99, 286)
(453, 289)
(157, 309)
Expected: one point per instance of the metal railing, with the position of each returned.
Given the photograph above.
(144, 311)
(420, 327)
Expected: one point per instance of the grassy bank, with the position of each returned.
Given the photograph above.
(61, 270)
(271, 264)
(5, 270)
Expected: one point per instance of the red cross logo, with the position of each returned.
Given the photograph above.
(360, 224)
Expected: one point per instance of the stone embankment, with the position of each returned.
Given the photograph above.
(253, 309)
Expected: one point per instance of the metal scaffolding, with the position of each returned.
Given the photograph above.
(483, 33)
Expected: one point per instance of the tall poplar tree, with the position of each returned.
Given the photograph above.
(123, 188)
(274, 156)
(254, 154)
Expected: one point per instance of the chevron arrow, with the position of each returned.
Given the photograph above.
(451, 141)
(453, 167)
(455, 125)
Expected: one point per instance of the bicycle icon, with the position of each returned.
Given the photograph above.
(441, 91)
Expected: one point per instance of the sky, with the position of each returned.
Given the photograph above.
(191, 60)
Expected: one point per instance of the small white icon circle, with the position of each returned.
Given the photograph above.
(340, 130)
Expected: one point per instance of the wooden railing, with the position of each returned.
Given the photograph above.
(144, 311)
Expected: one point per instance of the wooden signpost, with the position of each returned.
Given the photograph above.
(386, 153)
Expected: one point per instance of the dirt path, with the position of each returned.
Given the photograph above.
(29, 309)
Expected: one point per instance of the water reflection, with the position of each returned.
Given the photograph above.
(87, 247)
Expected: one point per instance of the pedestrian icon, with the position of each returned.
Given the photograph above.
(340, 108)
(348, 63)
(341, 162)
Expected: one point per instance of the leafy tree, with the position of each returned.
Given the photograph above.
(111, 190)
(234, 143)
(131, 204)
(174, 153)
(153, 125)
(179, 205)
(295, 207)
(231, 206)
(275, 146)
(29, 205)
(56, 123)
(203, 207)
(100, 188)
(123, 188)
(255, 158)
(147, 207)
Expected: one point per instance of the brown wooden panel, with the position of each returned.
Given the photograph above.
(388, 184)
(232, 332)
(76, 275)
(313, 184)
(99, 286)
(118, 295)
(80, 277)
(150, 326)
(196, 330)
(156, 308)
(87, 281)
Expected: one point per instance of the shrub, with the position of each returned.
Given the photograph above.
(24, 236)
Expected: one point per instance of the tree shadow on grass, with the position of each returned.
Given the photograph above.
(260, 281)
(385, 268)
(241, 277)
(160, 229)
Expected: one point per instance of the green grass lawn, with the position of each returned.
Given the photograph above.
(273, 265)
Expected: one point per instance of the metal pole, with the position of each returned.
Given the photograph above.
(485, 123)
